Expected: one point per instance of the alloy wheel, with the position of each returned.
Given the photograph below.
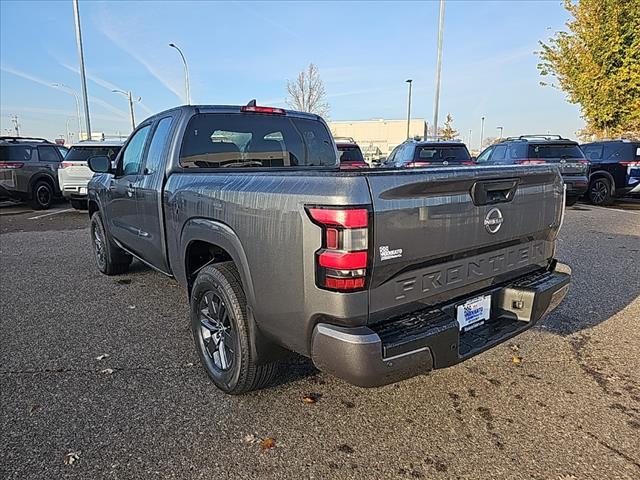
(216, 330)
(599, 191)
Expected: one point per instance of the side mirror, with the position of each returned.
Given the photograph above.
(100, 164)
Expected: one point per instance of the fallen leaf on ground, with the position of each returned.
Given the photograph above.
(517, 360)
(190, 364)
(344, 448)
(514, 347)
(267, 443)
(311, 398)
(107, 371)
(102, 357)
(71, 457)
(132, 307)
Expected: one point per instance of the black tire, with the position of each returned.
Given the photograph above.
(570, 201)
(218, 301)
(79, 204)
(600, 191)
(41, 195)
(110, 259)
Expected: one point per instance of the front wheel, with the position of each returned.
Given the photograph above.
(221, 331)
(110, 258)
(600, 191)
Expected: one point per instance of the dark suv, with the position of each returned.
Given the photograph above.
(28, 170)
(541, 149)
(414, 153)
(615, 169)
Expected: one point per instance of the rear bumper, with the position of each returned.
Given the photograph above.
(576, 184)
(429, 339)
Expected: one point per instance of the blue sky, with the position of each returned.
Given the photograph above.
(240, 50)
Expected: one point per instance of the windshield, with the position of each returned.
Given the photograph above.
(15, 153)
(557, 152)
(351, 154)
(83, 153)
(214, 140)
(430, 153)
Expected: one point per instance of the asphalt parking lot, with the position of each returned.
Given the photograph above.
(104, 368)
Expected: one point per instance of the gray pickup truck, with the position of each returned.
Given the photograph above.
(376, 275)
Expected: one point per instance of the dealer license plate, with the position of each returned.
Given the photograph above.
(474, 312)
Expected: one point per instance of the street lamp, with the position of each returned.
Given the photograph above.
(481, 132)
(83, 79)
(500, 128)
(409, 108)
(71, 91)
(128, 95)
(186, 74)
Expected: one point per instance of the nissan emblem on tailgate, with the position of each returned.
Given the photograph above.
(493, 220)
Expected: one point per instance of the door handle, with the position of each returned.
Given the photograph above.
(491, 192)
(130, 190)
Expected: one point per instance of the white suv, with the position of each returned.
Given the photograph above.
(74, 173)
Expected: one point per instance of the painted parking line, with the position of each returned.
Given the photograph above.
(51, 213)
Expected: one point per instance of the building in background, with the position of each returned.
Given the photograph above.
(377, 138)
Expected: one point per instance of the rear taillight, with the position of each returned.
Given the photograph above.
(630, 164)
(342, 260)
(417, 164)
(530, 161)
(11, 165)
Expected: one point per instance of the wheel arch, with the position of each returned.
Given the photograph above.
(603, 174)
(45, 177)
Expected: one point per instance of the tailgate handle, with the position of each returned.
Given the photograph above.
(495, 191)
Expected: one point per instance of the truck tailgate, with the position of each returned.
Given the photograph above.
(447, 232)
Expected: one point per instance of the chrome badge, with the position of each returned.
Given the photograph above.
(493, 220)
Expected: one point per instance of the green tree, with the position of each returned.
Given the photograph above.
(447, 132)
(597, 64)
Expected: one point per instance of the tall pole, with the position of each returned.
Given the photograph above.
(409, 108)
(500, 128)
(481, 132)
(130, 98)
(438, 69)
(469, 138)
(75, 95)
(76, 15)
(16, 125)
(186, 74)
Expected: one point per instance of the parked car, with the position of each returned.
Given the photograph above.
(415, 153)
(541, 149)
(350, 154)
(28, 169)
(74, 173)
(615, 170)
(376, 274)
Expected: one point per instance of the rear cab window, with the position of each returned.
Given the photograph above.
(221, 140)
(350, 153)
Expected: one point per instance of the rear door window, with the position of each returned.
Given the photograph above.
(442, 154)
(132, 155)
(593, 152)
(484, 156)
(48, 154)
(214, 140)
(351, 154)
(157, 146)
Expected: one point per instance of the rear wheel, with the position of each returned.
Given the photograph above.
(221, 331)
(79, 204)
(41, 195)
(600, 191)
(110, 258)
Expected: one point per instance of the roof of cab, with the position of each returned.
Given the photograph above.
(195, 109)
(99, 143)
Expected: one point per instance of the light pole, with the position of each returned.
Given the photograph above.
(469, 143)
(129, 97)
(500, 128)
(186, 74)
(481, 132)
(71, 91)
(438, 69)
(85, 98)
(409, 108)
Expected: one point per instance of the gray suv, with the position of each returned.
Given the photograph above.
(28, 170)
